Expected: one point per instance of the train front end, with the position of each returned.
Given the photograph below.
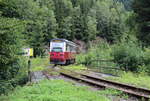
(57, 52)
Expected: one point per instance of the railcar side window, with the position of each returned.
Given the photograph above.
(68, 48)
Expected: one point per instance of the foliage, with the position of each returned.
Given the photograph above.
(99, 57)
(40, 18)
(127, 4)
(128, 55)
(142, 9)
(53, 90)
(19, 78)
(111, 17)
(97, 50)
(69, 19)
(35, 22)
(146, 60)
(10, 45)
(13, 69)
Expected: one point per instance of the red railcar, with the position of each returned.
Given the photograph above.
(62, 51)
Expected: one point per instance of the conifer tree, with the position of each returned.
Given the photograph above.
(142, 8)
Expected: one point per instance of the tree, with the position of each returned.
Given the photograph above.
(40, 18)
(110, 20)
(127, 4)
(63, 8)
(86, 5)
(91, 25)
(142, 8)
(65, 30)
(10, 45)
(77, 24)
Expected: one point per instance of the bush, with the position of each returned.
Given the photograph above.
(99, 50)
(147, 60)
(13, 67)
(19, 77)
(128, 55)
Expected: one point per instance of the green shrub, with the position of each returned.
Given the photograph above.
(18, 76)
(128, 55)
(99, 50)
(147, 60)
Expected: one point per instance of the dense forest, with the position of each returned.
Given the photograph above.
(32, 23)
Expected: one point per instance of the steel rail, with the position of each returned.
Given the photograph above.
(101, 82)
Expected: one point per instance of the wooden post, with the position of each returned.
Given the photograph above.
(29, 70)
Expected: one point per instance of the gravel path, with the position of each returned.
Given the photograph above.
(37, 76)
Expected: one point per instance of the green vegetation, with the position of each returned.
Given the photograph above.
(39, 64)
(51, 72)
(75, 67)
(54, 90)
(74, 20)
(99, 56)
(128, 55)
(32, 23)
(12, 67)
(124, 56)
(138, 80)
(97, 50)
(19, 78)
(142, 9)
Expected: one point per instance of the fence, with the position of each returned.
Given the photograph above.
(104, 66)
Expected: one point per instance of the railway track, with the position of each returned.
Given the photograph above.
(101, 82)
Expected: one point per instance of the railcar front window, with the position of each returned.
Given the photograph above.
(57, 49)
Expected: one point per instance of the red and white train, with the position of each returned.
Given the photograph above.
(62, 51)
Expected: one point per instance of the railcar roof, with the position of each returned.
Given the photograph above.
(67, 41)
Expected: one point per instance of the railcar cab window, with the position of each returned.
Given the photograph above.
(57, 49)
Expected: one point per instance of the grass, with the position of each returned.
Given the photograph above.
(39, 64)
(54, 90)
(75, 67)
(51, 72)
(139, 80)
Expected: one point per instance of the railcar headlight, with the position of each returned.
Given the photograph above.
(52, 54)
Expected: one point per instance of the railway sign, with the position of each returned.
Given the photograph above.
(28, 52)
